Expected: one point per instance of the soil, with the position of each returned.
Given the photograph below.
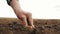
(42, 26)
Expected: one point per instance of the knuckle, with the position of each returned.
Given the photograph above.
(29, 14)
(22, 17)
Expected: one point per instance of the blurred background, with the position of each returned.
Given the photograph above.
(40, 9)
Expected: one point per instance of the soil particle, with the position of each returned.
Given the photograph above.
(14, 26)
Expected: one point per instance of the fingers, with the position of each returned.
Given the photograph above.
(26, 19)
(23, 18)
(29, 19)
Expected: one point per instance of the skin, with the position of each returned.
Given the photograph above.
(21, 14)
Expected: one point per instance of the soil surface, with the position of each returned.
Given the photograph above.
(42, 26)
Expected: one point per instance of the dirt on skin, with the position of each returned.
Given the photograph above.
(42, 26)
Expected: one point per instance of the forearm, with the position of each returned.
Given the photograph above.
(16, 7)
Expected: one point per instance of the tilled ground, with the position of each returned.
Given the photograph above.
(42, 26)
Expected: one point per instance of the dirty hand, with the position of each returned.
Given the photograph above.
(26, 17)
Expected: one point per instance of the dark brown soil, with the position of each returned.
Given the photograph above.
(42, 26)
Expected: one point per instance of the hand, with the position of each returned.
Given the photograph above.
(26, 18)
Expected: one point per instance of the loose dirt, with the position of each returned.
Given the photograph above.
(42, 26)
